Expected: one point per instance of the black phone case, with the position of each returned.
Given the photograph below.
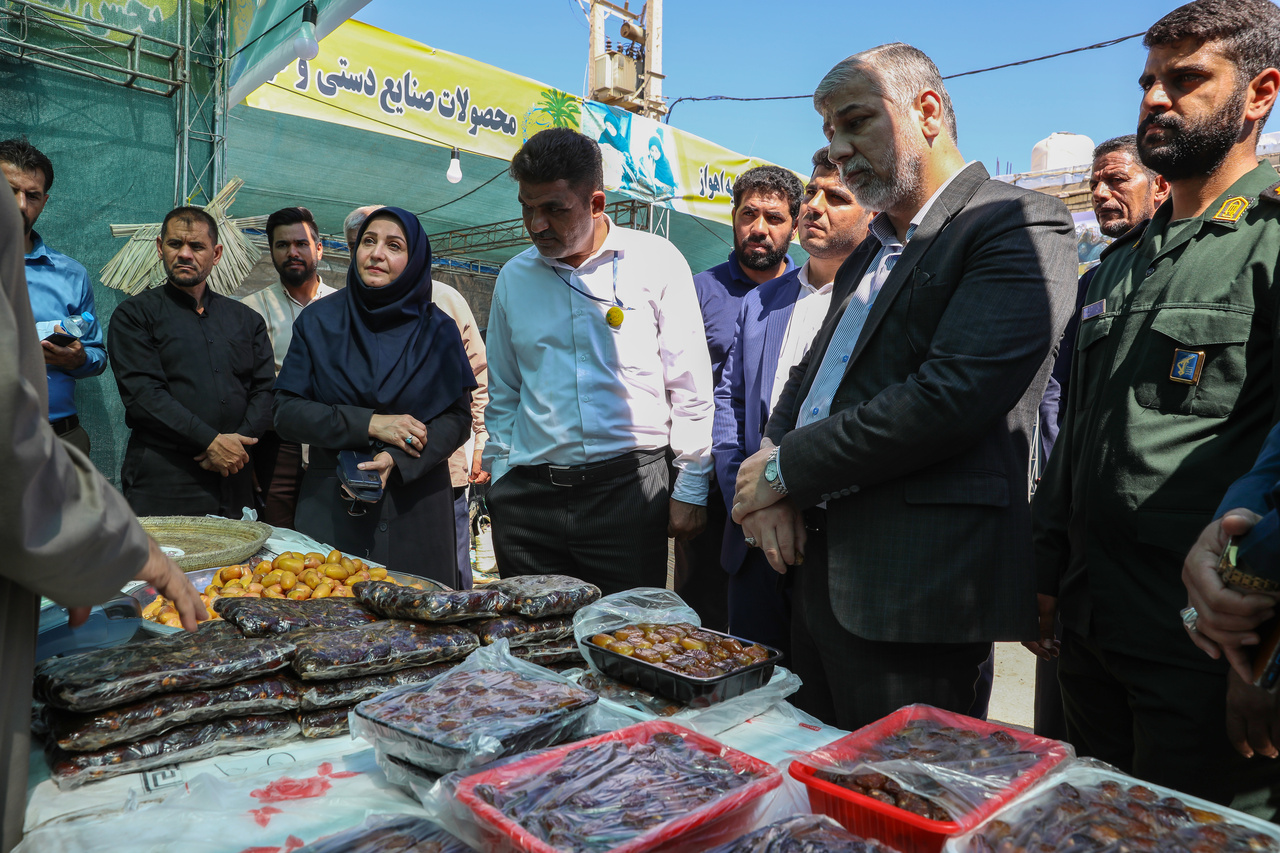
(60, 340)
(365, 485)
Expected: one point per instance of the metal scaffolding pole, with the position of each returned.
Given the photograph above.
(202, 111)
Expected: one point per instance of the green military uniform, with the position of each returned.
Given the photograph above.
(1174, 386)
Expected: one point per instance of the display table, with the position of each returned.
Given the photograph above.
(277, 800)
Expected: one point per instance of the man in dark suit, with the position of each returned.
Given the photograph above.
(904, 437)
(774, 330)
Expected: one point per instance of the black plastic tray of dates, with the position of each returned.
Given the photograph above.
(687, 689)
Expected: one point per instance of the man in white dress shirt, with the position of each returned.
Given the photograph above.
(776, 325)
(598, 371)
(294, 239)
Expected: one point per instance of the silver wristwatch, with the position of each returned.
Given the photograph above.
(773, 475)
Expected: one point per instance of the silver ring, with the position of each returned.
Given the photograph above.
(408, 439)
(751, 541)
(1189, 618)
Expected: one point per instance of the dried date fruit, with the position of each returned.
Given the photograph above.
(521, 631)
(185, 743)
(266, 617)
(398, 602)
(86, 732)
(378, 647)
(804, 834)
(345, 692)
(100, 679)
(1110, 816)
(538, 596)
(473, 716)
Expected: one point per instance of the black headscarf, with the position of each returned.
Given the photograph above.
(383, 348)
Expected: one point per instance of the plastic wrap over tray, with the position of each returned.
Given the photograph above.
(652, 785)
(1090, 807)
(346, 692)
(803, 834)
(95, 680)
(76, 732)
(522, 631)
(489, 706)
(401, 602)
(379, 647)
(327, 722)
(185, 743)
(389, 833)
(921, 774)
(539, 596)
(268, 617)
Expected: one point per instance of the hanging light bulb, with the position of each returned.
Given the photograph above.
(305, 44)
(455, 167)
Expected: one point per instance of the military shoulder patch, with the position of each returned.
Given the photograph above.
(1272, 193)
(1232, 209)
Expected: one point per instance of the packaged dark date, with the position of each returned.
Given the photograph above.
(345, 692)
(401, 602)
(378, 647)
(472, 716)
(329, 722)
(86, 732)
(539, 596)
(1116, 813)
(554, 652)
(100, 679)
(269, 617)
(522, 631)
(186, 743)
(803, 834)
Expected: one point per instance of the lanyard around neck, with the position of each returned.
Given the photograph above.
(615, 302)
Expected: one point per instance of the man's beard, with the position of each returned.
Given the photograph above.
(295, 276)
(1114, 228)
(1192, 149)
(189, 279)
(767, 261)
(876, 193)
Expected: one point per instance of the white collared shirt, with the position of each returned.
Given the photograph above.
(279, 309)
(806, 318)
(565, 388)
(817, 405)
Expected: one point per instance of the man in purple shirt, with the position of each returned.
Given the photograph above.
(766, 204)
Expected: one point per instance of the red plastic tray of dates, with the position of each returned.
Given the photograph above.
(922, 774)
(649, 787)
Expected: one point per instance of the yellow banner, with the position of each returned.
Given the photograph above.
(374, 80)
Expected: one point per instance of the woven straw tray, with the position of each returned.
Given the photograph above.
(197, 542)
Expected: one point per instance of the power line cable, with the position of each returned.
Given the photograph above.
(1101, 44)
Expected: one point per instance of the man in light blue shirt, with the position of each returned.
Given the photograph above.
(59, 288)
(598, 372)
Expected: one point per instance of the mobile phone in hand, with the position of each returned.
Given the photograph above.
(60, 339)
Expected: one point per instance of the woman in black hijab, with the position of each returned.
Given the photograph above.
(379, 369)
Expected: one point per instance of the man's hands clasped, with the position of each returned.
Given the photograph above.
(227, 453)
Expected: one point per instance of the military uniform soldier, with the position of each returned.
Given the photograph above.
(1175, 385)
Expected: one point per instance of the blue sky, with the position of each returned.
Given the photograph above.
(752, 48)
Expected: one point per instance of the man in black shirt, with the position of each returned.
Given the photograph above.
(195, 371)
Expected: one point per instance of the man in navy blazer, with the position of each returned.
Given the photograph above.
(775, 327)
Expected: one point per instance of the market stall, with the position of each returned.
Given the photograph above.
(527, 715)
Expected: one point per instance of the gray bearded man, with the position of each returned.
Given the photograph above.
(895, 465)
